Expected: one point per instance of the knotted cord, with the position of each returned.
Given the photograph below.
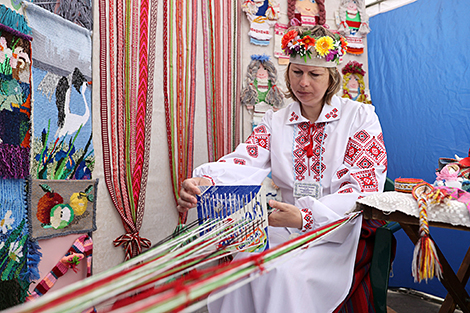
(125, 151)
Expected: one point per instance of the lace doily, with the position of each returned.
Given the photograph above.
(453, 212)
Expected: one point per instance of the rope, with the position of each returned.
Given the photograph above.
(425, 263)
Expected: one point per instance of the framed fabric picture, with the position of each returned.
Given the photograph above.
(62, 207)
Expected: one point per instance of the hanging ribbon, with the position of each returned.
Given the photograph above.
(221, 68)
(126, 111)
(179, 87)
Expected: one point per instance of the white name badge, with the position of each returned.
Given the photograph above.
(303, 189)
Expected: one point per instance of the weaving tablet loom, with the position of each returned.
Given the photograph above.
(243, 205)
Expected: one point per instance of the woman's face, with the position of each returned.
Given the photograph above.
(307, 7)
(309, 83)
(262, 73)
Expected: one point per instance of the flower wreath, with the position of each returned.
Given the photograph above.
(304, 45)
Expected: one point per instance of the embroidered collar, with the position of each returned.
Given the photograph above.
(329, 113)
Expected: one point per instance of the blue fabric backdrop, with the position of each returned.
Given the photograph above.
(419, 79)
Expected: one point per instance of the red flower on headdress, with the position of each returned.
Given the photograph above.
(290, 35)
(344, 43)
(308, 41)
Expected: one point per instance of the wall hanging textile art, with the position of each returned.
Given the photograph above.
(77, 11)
(62, 207)
(262, 15)
(353, 23)
(62, 146)
(19, 256)
(80, 251)
(261, 92)
(126, 109)
(306, 12)
(15, 102)
(353, 82)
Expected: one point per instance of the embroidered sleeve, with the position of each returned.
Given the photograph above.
(307, 220)
(364, 166)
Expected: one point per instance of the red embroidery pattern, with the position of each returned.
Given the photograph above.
(362, 136)
(364, 150)
(252, 151)
(239, 161)
(332, 114)
(308, 220)
(260, 137)
(209, 178)
(293, 117)
(301, 141)
(344, 184)
(342, 172)
(347, 190)
(367, 180)
(376, 150)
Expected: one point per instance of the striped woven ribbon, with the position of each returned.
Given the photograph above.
(126, 110)
(179, 52)
(220, 22)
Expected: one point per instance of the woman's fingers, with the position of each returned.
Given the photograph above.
(284, 215)
(189, 189)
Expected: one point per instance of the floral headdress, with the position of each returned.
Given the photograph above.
(324, 51)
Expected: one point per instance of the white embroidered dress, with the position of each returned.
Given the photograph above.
(348, 153)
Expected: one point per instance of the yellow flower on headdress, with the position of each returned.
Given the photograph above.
(323, 45)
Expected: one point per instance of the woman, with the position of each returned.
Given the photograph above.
(324, 153)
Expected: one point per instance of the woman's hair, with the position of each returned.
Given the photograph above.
(334, 85)
(334, 76)
(249, 94)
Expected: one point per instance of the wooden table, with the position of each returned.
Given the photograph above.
(454, 283)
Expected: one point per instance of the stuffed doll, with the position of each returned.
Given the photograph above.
(353, 82)
(261, 93)
(306, 12)
(262, 15)
(353, 23)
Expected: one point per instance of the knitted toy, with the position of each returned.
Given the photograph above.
(81, 248)
(353, 82)
(261, 93)
(306, 12)
(262, 15)
(353, 23)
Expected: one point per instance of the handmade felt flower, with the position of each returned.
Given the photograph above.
(308, 41)
(324, 45)
(331, 56)
(15, 252)
(288, 37)
(6, 222)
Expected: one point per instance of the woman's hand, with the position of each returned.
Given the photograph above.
(284, 215)
(188, 192)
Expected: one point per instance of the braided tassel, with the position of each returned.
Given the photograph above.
(426, 263)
